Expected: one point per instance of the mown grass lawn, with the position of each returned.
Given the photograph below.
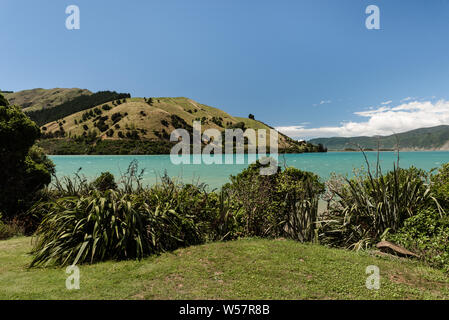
(243, 269)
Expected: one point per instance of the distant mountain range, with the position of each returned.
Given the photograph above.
(434, 138)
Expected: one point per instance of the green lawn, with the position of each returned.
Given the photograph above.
(244, 269)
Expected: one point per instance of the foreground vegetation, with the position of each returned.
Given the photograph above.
(83, 222)
(78, 222)
(243, 269)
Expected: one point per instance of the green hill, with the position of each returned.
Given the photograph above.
(434, 138)
(37, 99)
(78, 121)
(141, 119)
(78, 103)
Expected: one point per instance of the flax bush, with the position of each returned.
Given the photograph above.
(364, 208)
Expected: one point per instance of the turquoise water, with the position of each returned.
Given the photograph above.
(216, 175)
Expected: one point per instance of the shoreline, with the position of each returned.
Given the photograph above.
(279, 154)
(401, 150)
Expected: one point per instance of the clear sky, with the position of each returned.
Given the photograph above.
(308, 67)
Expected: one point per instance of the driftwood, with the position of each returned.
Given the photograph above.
(389, 247)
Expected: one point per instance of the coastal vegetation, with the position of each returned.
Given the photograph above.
(82, 222)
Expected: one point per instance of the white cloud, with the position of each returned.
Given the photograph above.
(381, 121)
(386, 102)
(325, 101)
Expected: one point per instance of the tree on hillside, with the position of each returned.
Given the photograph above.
(321, 148)
(24, 168)
(251, 116)
(3, 101)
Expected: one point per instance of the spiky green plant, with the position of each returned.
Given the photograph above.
(299, 193)
(368, 205)
(114, 224)
(92, 228)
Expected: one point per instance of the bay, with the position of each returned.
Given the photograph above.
(215, 175)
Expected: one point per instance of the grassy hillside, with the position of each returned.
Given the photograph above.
(434, 138)
(36, 99)
(145, 120)
(243, 269)
(79, 103)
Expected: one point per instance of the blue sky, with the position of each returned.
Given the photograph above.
(310, 68)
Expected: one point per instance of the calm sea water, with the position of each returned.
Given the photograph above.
(216, 175)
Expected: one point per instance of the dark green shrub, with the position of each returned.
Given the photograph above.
(284, 204)
(116, 117)
(102, 126)
(427, 234)
(110, 133)
(218, 121)
(104, 182)
(132, 135)
(440, 186)
(24, 171)
(238, 125)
